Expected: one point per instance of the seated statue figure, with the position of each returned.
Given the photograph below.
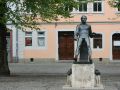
(82, 35)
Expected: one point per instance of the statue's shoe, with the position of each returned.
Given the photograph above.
(75, 59)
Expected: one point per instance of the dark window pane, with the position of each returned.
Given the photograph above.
(94, 43)
(28, 33)
(70, 8)
(66, 8)
(99, 6)
(28, 41)
(95, 6)
(41, 33)
(85, 6)
(100, 43)
(97, 41)
(118, 8)
(80, 7)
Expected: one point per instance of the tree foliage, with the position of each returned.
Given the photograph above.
(114, 3)
(26, 12)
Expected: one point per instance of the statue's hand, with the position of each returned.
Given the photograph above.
(75, 39)
(93, 35)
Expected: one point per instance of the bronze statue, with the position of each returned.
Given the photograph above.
(83, 32)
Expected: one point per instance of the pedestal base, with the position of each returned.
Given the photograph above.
(83, 77)
(68, 87)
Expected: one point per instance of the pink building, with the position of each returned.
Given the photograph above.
(55, 40)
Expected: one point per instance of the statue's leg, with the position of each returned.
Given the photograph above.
(89, 49)
(77, 52)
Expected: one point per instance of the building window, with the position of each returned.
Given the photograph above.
(119, 9)
(82, 7)
(97, 41)
(118, 6)
(97, 6)
(41, 39)
(69, 8)
(28, 38)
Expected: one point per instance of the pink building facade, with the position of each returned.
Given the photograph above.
(55, 40)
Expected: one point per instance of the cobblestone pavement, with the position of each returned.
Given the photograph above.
(52, 76)
(48, 82)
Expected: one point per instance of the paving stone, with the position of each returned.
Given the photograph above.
(52, 76)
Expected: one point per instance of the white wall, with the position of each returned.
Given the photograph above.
(11, 27)
(21, 43)
(17, 42)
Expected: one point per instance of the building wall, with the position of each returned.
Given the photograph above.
(51, 51)
(21, 44)
(47, 52)
(107, 31)
(106, 23)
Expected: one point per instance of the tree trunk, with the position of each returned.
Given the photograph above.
(4, 69)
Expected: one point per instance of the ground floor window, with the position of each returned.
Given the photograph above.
(28, 38)
(97, 41)
(41, 39)
(36, 39)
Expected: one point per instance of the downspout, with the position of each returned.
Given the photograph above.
(17, 57)
(11, 46)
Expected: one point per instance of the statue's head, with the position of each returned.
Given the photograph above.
(83, 19)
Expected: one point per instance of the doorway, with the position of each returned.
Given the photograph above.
(66, 45)
(116, 46)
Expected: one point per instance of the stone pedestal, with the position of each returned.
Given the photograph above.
(83, 76)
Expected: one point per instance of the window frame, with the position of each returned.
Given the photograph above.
(102, 6)
(118, 10)
(92, 42)
(34, 41)
(90, 9)
(97, 39)
(83, 4)
(77, 10)
(28, 36)
(43, 36)
(69, 8)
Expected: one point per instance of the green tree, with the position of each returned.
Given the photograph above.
(114, 3)
(24, 13)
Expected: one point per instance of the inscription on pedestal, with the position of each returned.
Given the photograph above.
(83, 75)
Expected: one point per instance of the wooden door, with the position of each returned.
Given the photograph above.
(66, 45)
(116, 46)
